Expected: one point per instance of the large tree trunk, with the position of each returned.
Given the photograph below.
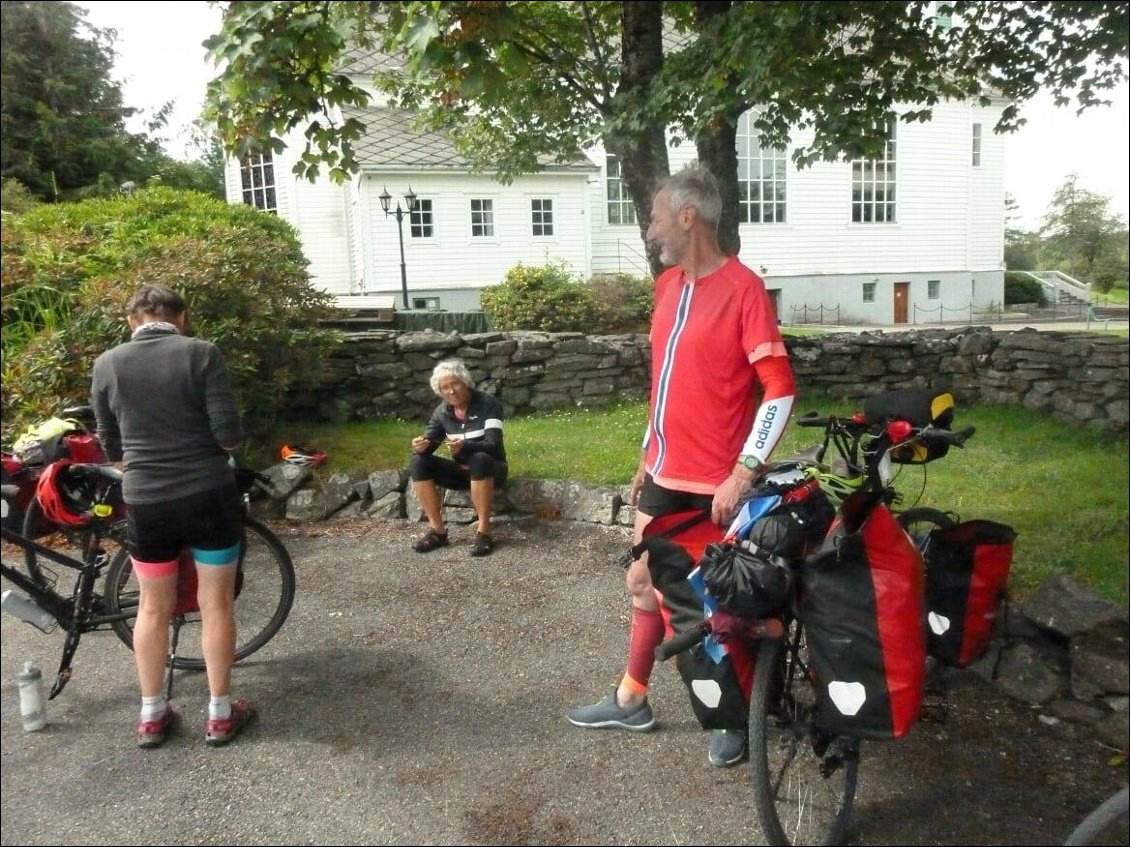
(718, 150)
(642, 151)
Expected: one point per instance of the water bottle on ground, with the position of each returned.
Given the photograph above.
(33, 705)
(26, 610)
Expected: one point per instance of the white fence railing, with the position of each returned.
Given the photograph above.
(1057, 284)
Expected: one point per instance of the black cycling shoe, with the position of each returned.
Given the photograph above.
(431, 541)
(483, 545)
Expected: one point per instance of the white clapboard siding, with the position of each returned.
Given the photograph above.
(949, 227)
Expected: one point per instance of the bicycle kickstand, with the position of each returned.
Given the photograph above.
(172, 658)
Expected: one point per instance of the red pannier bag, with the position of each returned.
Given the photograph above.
(187, 585)
(967, 569)
(84, 448)
(718, 682)
(862, 604)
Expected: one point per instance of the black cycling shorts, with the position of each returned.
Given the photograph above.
(210, 520)
(656, 501)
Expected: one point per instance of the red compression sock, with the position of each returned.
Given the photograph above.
(645, 635)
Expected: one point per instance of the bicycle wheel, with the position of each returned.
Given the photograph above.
(264, 594)
(804, 779)
(921, 521)
(70, 541)
(1099, 826)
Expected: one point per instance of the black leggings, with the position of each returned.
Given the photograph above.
(451, 474)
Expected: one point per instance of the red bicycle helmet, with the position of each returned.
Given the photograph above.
(65, 493)
(301, 456)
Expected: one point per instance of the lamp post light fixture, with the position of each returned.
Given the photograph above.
(399, 214)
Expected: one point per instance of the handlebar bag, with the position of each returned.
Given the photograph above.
(919, 407)
(967, 569)
(862, 605)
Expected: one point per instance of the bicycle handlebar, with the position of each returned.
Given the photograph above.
(106, 472)
(763, 628)
(683, 641)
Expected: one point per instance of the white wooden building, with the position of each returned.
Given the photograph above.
(917, 237)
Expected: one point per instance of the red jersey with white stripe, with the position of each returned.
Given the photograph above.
(706, 338)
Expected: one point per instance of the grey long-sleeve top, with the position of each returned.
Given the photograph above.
(166, 410)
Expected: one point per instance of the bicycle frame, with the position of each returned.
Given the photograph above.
(804, 775)
(79, 614)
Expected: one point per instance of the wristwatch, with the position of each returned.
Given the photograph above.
(751, 463)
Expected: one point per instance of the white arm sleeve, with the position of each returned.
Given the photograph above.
(768, 427)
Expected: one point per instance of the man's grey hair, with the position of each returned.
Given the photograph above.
(451, 367)
(694, 186)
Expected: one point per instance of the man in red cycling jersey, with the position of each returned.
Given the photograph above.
(715, 346)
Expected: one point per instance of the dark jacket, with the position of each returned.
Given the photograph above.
(481, 431)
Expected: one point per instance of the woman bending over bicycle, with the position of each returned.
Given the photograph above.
(166, 412)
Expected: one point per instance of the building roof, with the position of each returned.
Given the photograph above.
(392, 142)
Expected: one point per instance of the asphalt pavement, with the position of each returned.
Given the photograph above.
(420, 699)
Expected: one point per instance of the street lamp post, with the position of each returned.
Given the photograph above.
(399, 214)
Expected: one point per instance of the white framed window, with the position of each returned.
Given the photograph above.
(482, 218)
(429, 303)
(621, 210)
(933, 289)
(762, 176)
(541, 216)
(869, 292)
(976, 145)
(422, 220)
(257, 175)
(873, 184)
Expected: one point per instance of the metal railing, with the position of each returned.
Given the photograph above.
(815, 314)
(638, 263)
(1060, 286)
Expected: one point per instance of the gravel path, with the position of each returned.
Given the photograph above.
(420, 700)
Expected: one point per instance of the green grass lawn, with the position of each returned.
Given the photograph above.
(1062, 487)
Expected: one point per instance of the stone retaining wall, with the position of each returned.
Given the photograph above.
(1079, 378)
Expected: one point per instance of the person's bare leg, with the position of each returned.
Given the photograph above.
(216, 597)
(638, 580)
(427, 493)
(482, 498)
(151, 632)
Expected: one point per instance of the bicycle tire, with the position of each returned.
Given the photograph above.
(71, 542)
(804, 780)
(1095, 828)
(919, 522)
(265, 594)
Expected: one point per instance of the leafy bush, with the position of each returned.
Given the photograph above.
(625, 301)
(1021, 288)
(546, 298)
(16, 197)
(68, 270)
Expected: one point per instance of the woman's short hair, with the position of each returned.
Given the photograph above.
(156, 300)
(451, 367)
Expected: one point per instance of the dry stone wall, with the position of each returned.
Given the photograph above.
(1081, 378)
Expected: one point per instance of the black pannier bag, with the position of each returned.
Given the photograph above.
(967, 569)
(862, 604)
(719, 688)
